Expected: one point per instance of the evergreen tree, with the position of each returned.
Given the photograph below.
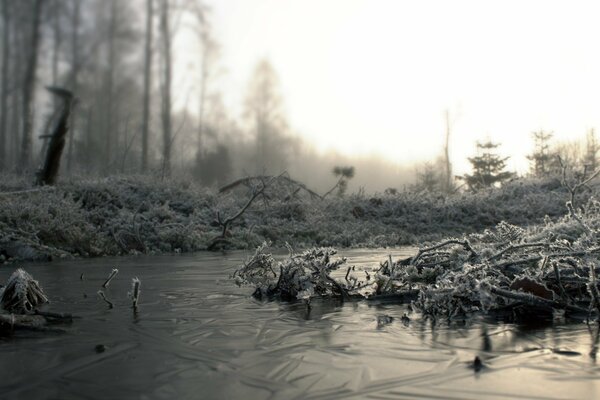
(428, 179)
(541, 158)
(488, 167)
(591, 152)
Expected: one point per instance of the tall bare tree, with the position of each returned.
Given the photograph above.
(166, 85)
(4, 82)
(57, 38)
(447, 185)
(109, 84)
(147, 83)
(74, 74)
(207, 54)
(29, 86)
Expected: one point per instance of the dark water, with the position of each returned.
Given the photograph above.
(197, 336)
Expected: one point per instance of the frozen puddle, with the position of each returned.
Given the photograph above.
(196, 335)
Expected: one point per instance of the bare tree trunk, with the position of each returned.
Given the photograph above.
(166, 95)
(110, 86)
(4, 83)
(16, 120)
(73, 79)
(88, 133)
(49, 172)
(202, 102)
(56, 30)
(147, 83)
(29, 88)
(448, 165)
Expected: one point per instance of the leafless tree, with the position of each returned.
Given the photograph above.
(447, 184)
(74, 74)
(109, 83)
(166, 85)
(4, 81)
(147, 82)
(207, 54)
(29, 86)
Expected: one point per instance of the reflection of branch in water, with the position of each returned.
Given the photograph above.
(486, 344)
(595, 338)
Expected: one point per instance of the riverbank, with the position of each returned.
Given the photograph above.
(142, 214)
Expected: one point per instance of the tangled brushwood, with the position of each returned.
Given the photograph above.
(538, 269)
(20, 301)
(22, 294)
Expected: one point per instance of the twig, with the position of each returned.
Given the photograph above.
(135, 291)
(464, 243)
(248, 179)
(563, 293)
(581, 253)
(517, 247)
(113, 273)
(225, 223)
(103, 297)
(573, 188)
(534, 300)
(574, 215)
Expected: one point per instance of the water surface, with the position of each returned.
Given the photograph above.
(196, 335)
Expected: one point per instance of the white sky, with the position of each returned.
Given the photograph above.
(375, 76)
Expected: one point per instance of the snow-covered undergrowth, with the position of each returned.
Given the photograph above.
(548, 266)
(142, 214)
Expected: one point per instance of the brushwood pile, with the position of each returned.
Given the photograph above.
(551, 266)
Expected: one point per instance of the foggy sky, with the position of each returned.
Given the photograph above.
(376, 76)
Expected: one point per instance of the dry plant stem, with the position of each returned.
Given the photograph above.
(103, 297)
(391, 269)
(334, 186)
(463, 243)
(534, 300)
(516, 247)
(573, 188)
(113, 273)
(257, 192)
(553, 255)
(563, 293)
(343, 291)
(229, 220)
(574, 215)
(247, 180)
(135, 293)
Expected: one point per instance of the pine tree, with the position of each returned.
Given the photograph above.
(488, 167)
(541, 157)
(428, 179)
(591, 151)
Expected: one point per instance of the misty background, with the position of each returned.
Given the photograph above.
(220, 90)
